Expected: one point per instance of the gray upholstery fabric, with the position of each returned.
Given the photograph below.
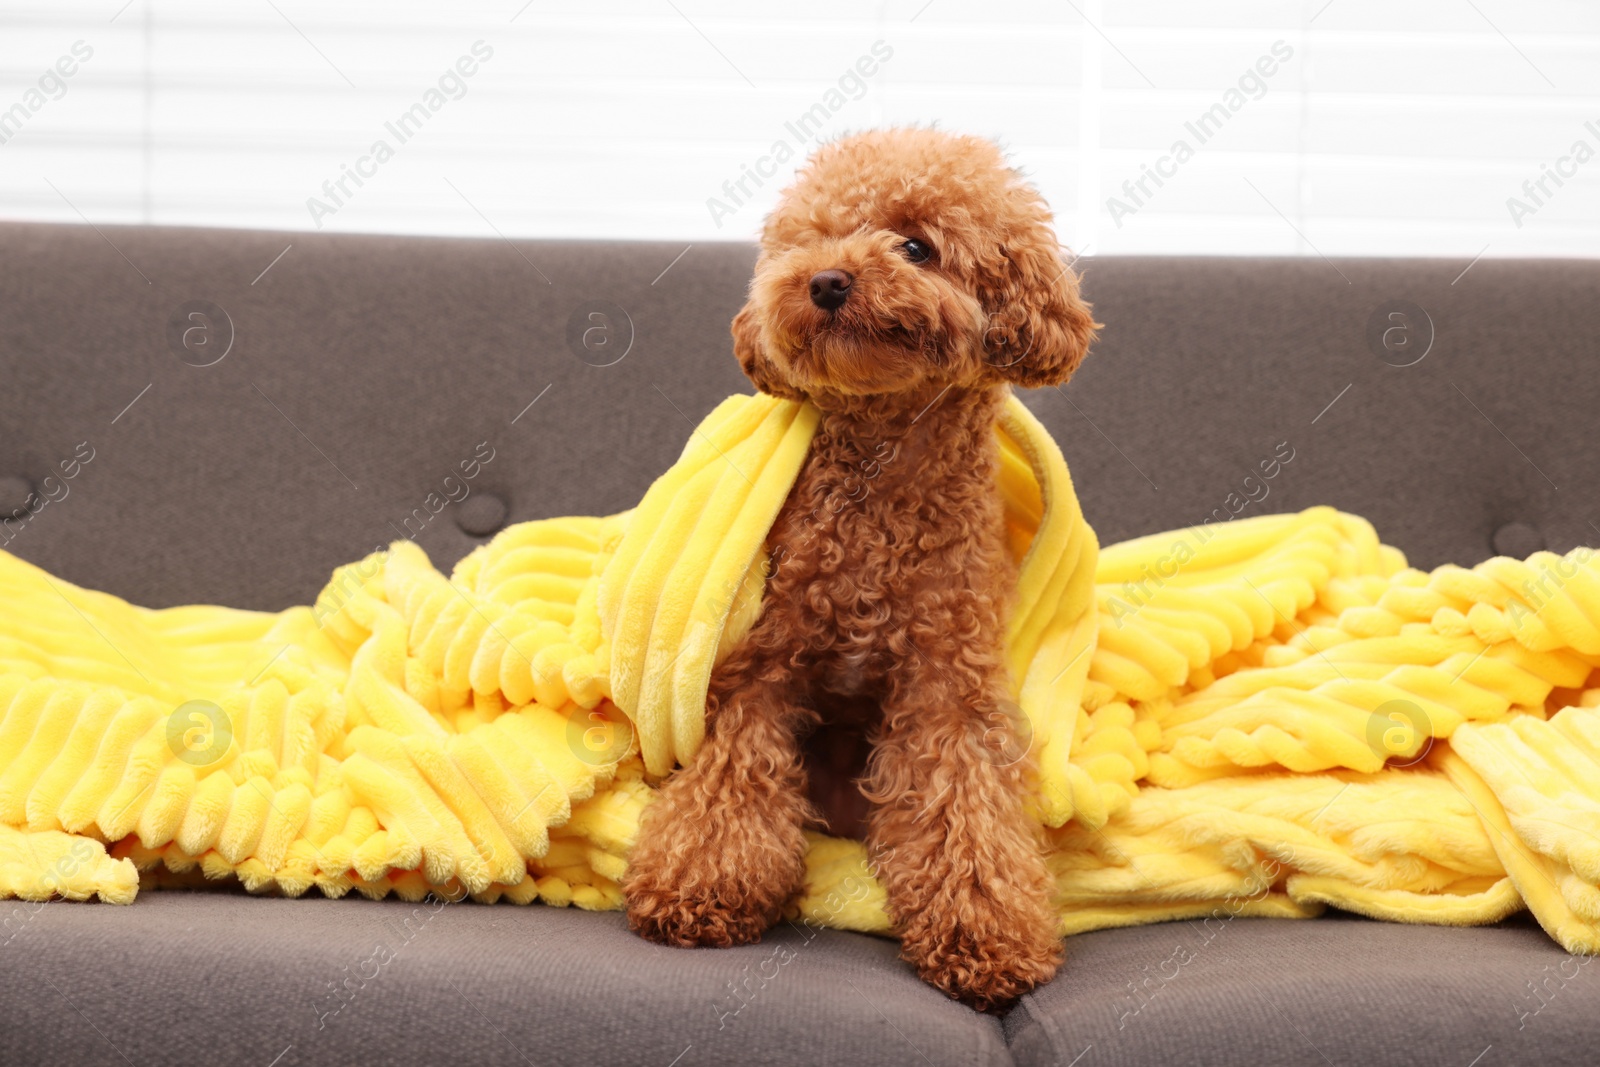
(1206, 365)
(364, 371)
(1334, 990)
(197, 978)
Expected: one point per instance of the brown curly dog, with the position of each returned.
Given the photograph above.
(905, 280)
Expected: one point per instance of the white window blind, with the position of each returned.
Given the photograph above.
(1350, 127)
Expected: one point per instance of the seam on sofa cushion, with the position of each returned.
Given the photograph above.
(1045, 1024)
(992, 1050)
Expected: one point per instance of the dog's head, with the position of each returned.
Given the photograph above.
(907, 257)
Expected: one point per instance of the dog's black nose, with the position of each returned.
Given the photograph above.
(830, 289)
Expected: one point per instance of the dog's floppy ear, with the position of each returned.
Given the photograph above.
(758, 366)
(1039, 328)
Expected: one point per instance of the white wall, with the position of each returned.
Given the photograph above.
(1384, 127)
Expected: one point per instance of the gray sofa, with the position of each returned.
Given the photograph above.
(356, 372)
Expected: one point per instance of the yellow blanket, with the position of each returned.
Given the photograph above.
(1256, 718)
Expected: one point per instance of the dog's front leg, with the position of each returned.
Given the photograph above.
(721, 849)
(967, 885)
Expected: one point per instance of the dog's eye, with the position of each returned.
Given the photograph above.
(916, 251)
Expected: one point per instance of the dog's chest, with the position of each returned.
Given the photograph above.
(873, 535)
(858, 528)
(853, 567)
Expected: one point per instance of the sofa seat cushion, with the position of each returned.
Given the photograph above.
(203, 978)
(1335, 990)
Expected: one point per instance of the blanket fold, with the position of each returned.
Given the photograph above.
(1262, 717)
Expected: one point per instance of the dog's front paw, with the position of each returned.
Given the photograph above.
(713, 874)
(983, 951)
(987, 969)
(986, 972)
(670, 915)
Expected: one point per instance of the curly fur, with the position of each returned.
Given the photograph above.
(883, 620)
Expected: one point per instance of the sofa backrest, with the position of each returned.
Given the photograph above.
(225, 416)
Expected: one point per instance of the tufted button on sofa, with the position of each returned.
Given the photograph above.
(482, 515)
(15, 494)
(1517, 539)
(372, 388)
